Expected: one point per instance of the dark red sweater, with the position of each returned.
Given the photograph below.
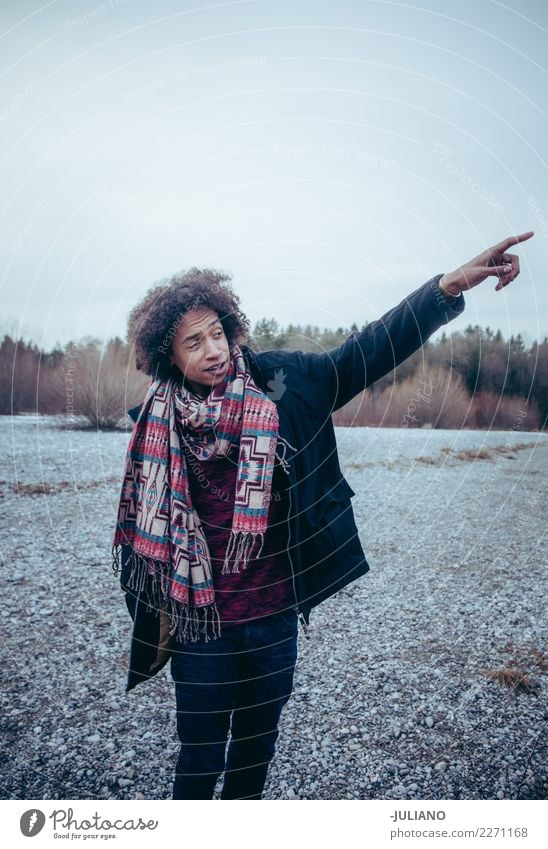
(266, 586)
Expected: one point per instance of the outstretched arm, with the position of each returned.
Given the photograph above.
(365, 357)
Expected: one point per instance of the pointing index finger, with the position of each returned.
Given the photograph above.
(515, 240)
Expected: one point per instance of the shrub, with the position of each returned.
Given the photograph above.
(433, 396)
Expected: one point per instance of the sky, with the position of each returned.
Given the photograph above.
(331, 156)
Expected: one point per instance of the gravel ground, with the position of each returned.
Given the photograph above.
(394, 696)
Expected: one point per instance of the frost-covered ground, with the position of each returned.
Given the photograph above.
(393, 696)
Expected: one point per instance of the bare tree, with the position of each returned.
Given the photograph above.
(98, 386)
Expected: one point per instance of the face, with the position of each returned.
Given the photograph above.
(200, 349)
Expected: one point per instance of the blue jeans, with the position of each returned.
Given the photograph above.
(245, 676)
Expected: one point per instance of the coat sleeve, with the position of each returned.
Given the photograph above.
(368, 355)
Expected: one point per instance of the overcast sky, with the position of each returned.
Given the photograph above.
(332, 155)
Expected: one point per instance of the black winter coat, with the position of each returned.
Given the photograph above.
(324, 546)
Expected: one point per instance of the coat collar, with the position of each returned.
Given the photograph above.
(252, 361)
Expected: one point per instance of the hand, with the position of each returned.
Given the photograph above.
(493, 261)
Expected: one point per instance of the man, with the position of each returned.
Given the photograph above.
(234, 518)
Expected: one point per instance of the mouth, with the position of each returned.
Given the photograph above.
(217, 368)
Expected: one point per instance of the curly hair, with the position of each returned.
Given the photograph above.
(153, 322)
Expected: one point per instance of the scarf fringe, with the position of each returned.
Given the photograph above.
(239, 548)
(116, 551)
(151, 579)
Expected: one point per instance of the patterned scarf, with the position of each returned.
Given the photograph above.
(169, 558)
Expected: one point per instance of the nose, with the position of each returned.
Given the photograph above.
(212, 349)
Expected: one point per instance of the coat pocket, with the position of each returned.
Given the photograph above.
(329, 525)
(316, 509)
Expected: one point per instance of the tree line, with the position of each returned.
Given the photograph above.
(473, 378)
